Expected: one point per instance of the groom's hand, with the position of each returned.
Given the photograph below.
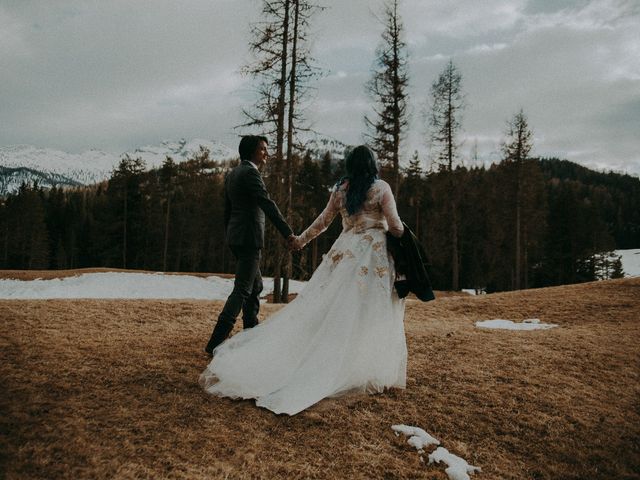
(291, 243)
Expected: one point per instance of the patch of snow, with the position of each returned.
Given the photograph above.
(418, 438)
(529, 324)
(129, 285)
(630, 261)
(458, 468)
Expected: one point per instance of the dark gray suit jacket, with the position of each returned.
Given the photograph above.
(246, 204)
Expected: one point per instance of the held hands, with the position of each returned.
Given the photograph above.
(293, 243)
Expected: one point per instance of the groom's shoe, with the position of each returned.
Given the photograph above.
(220, 333)
(249, 323)
(211, 344)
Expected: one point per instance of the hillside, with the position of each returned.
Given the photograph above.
(108, 388)
(12, 178)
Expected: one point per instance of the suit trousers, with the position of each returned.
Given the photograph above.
(247, 286)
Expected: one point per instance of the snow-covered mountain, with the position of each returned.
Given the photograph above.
(318, 145)
(49, 167)
(25, 162)
(181, 150)
(12, 178)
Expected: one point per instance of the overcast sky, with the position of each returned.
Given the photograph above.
(116, 75)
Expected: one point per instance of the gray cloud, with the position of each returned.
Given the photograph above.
(119, 74)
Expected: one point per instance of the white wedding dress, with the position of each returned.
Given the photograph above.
(343, 333)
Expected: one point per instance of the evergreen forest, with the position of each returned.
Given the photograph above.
(535, 223)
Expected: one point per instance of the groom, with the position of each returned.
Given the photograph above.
(246, 204)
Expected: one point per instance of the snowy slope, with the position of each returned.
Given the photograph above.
(630, 261)
(129, 285)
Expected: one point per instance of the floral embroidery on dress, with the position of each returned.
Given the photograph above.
(381, 271)
(378, 246)
(359, 225)
(363, 270)
(367, 237)
(349, 254)
(335, 258)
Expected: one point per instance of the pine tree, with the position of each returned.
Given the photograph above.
(388, 88)
(413, 188)
(168, 185)
(311, 192)
(616, 267)
(516, 150)
(447, 104)
(4, 233)
(28, 237)
(126, 180)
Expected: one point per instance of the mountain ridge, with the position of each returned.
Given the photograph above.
(50, 167)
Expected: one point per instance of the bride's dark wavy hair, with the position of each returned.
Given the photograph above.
(362, 171)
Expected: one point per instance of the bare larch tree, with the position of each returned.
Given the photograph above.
(282, 69)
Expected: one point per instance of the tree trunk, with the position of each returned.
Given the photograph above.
(166, 235)
(453, 209)
(396, 103)
(284, 298)
(518, 258)
(6, 247)
(314, 255)
(518, 244)
(178, 263)
(280, 117)
(289, 164)
(276, 281)
(455, 266)
(526, 261)
(72, 250)
(124, 229)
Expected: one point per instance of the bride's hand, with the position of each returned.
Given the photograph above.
(293, 243)
(297, 243)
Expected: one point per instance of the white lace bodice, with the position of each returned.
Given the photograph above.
(378, 212)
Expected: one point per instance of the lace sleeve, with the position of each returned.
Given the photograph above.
(391, 212)
(321, 223)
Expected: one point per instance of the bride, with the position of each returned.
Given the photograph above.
(344, 332)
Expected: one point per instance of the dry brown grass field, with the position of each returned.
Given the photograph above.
(108, 389)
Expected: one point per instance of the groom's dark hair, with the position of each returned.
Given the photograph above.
(249, 144)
